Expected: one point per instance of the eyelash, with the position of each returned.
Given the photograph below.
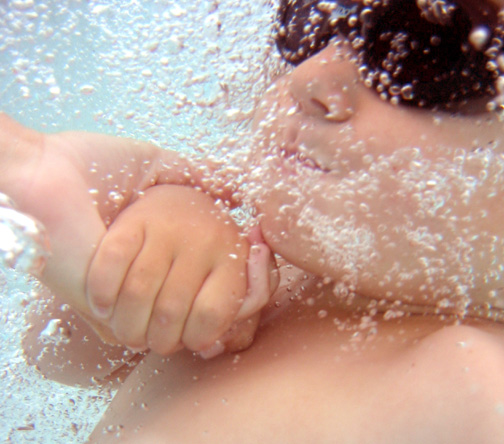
(409, 54)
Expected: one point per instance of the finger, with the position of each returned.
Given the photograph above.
(238, 338)
(262, 275)
(216, 306)
(173, 303)
(138, 293)
(255, 236)
(109, 268)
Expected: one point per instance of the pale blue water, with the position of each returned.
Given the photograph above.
(138, 69)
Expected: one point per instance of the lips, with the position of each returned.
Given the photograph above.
(295, 157)
(296, 153)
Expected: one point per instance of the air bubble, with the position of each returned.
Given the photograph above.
(55, 91)
(99, 9)
(116, 197)
(22, 5)
(177, 11)
(322, 314)
(479, 37)
(87, 89)
(407, 92)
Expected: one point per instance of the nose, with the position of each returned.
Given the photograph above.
(325, 86)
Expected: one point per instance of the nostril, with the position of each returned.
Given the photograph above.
(320, 106)
(337, 109)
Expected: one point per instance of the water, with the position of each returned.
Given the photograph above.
(136, 69)
(35, 409)
(24, 244)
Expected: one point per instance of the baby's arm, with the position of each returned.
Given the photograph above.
(76, 184)
(172, 271)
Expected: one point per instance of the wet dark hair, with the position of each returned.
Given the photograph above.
(428, 53)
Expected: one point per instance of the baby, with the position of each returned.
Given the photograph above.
(377, 172)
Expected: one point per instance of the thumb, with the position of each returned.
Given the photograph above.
(262, 275)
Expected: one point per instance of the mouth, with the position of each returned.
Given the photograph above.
(294, 152)
(296, 158)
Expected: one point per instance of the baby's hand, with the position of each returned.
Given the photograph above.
(171, 272)
(263, 280)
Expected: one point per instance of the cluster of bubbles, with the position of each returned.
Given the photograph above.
(35, 409)
(172, 72)
(24, 244)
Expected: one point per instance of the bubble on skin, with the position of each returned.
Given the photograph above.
(116, 197)
(437, 11)
(437, 186)
(351, 246)
(322, 314)
(407, 92)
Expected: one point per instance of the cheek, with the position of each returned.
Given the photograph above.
(276, 211)
(314, 230)
(279, 206)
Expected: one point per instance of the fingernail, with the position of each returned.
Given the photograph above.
(215, 350)
(255, 250)
(102, 312)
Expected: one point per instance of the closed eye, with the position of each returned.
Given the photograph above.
(426, 53)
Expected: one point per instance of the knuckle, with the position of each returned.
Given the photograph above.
(167, 313)
(212, 322)
(212, 317)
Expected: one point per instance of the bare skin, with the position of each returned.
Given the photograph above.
(418, 379)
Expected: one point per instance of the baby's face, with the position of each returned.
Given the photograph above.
(397, 201)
